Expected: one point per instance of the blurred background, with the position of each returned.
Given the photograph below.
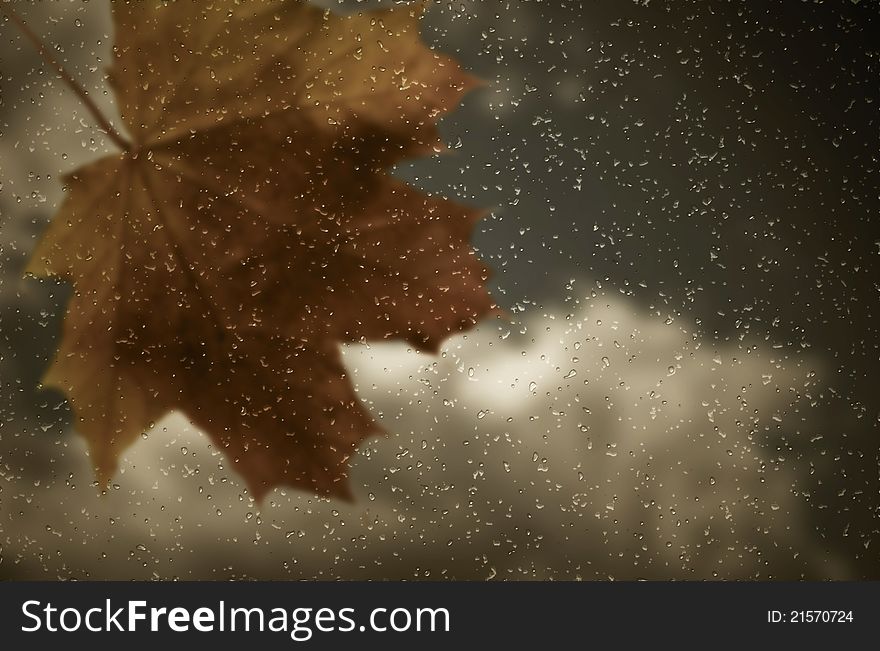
(685, 232)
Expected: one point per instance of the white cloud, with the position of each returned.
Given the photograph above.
(601, 443)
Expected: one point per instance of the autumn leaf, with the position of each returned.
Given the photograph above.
(250, 226)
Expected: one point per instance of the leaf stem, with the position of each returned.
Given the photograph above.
(50, 59)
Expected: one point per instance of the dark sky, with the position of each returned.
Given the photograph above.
(714, 162)
(711, 159)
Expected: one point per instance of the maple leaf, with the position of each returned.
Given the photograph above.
(250, 227)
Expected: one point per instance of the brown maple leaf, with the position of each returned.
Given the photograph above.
(250, 226)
